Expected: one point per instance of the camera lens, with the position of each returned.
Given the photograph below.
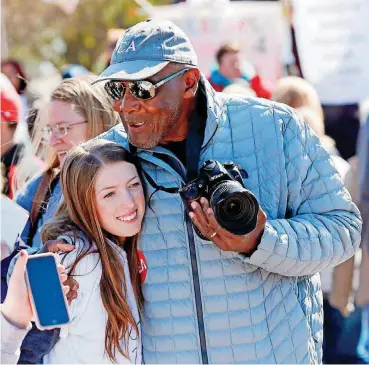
(235, 207)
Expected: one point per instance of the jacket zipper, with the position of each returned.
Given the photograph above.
(195, 277)
(197, 290)
(196, 281)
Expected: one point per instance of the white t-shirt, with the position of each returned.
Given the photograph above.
(83, 339)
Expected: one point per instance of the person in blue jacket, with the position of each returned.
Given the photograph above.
(210, 295)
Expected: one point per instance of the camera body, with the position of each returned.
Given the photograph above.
(235, 207)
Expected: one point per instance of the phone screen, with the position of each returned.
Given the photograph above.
(48, 296)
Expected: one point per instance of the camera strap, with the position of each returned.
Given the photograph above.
(193, 146)
(158, 187)
(151, 181)
(196, 134)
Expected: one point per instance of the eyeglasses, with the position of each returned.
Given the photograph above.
(141, 89)
(61, 130)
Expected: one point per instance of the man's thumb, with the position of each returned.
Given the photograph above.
(20, 266)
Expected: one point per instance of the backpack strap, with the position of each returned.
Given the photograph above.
(40, 200)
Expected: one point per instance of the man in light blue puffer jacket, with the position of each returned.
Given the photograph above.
(232, 299)
(262, 304)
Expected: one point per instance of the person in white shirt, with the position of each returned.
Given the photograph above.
(101, 214)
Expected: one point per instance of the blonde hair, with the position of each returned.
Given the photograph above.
(297, 92)
(240, 89)
(316, 123)
(78, 213)
(91, 101)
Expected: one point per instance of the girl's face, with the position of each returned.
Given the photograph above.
(67, 128)
(120, 200)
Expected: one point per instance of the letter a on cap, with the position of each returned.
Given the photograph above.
(131, 47)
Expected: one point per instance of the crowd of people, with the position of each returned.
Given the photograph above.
(119, 175)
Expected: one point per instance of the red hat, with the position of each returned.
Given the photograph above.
(10, 101)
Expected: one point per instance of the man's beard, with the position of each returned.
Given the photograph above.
(155, 137)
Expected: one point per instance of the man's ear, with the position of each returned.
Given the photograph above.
(192, 78)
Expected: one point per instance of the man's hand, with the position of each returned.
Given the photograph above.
(58, 246)
(204, 219)
(17, 306)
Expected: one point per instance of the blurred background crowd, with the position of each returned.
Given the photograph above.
(308, 54)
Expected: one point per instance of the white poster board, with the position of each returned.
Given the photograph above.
(333, 43)
(256, 26)
(13, 221)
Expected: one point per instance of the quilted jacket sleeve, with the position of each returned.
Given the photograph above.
(322, 225)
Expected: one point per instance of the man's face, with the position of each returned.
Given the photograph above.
(149, 122)
(230, 65)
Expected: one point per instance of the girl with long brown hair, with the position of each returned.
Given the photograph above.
(101, 214)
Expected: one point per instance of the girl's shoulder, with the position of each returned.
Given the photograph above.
(25, 196)
(85, 251)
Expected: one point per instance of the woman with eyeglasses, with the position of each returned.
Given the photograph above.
(76, 112)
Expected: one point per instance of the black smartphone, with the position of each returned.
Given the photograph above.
(48, 300)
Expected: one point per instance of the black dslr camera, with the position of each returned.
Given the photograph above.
(235, 208)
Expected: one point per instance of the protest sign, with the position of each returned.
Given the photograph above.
(333, 44)
(13, 220)
(256, 26)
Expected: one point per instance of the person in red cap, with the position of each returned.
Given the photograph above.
(16, 74)
(10, 116)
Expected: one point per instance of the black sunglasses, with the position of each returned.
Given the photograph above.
(141, 89)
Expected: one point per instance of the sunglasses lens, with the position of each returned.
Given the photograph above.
(115, 90)
(142, 89)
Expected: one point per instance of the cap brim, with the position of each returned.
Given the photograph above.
(131, 70)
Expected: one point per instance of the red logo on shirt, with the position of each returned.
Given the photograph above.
(142, 266)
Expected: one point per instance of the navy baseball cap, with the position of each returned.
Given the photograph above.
(146, 48)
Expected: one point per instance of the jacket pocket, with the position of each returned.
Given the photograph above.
(308, 300)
